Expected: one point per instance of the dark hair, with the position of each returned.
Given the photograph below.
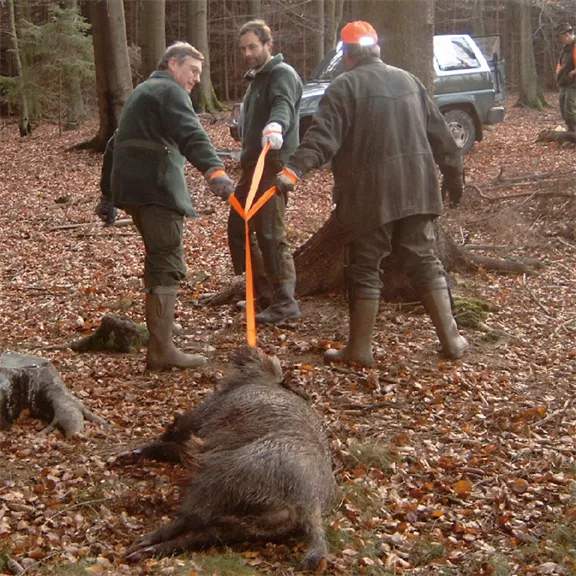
(260, 28)
(361, 52)
(180, 51)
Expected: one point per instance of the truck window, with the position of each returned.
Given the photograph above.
(454, 54)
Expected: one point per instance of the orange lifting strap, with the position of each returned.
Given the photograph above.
(246, 213)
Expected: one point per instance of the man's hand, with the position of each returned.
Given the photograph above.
(220, 183)
(272, 133)
(286, 180)
(106, 211)
(454, 186)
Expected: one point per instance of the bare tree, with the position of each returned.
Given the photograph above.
(113, 76)
(333, 15)
(400, 22)
(24, 122)
(530, 93)
(73, 91)
(254, 9)
(152, 34)
(320, 35)
(197, 34)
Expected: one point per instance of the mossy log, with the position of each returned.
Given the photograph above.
(115, 334)
(30, 382)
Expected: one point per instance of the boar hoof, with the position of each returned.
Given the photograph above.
(312, 560)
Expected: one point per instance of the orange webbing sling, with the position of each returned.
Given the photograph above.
(246, 213)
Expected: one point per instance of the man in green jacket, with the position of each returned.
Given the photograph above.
(385, 137)
(158, 131)
(269, 114)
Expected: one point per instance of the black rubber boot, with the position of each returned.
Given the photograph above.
(284, 305)
(363, 313)
(263, 290)
(162, 353)
(436, 300)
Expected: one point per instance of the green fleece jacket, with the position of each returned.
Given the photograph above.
(158, 131)
(274, 95)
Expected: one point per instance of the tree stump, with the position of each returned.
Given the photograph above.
(31, 382)
(115, 334)
(320, 264)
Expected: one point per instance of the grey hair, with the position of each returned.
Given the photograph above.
(358, 52)
(180, 51)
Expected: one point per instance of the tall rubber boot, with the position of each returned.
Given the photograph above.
(161, 352)
(363, 312)
(436, 302)
(284, 305)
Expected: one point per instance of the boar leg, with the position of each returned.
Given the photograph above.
(317, 545)
(190, 533)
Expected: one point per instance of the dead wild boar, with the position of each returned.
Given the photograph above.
(259, 463)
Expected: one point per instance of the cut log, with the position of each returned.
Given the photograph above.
(31, 382)
(115, 334)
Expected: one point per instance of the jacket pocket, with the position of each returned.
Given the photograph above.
(139, 165)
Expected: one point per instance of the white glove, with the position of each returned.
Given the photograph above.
(273, 134)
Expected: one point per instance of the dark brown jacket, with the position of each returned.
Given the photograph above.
(384, 136)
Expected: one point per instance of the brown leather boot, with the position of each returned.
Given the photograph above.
(363, 314)
(438, 306)
(161, 352)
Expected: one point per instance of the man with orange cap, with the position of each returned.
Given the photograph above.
(384, 136)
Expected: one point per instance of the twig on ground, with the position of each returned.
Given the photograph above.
(538, 303)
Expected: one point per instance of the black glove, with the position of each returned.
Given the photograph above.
(106, 211)
(453, 185)
(286, 180)
(220, 183)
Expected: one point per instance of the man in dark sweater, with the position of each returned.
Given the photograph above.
(269, 114)
(158, 131)
(385, 137)
(566, 75)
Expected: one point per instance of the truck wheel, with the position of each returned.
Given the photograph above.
(463, 129)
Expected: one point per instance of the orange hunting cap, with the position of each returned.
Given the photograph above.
(359, 32)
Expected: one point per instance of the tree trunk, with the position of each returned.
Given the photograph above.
(334, 11)
(24, 122)
(401, 22)
(254, 9)
(320, 27)
(73, 91)
(530, 93)
(32, 383)
(152, 35)
(203, 96)
(113, 75)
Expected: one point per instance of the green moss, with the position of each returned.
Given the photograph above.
(372, 454)
(223, 564)
(472, 312)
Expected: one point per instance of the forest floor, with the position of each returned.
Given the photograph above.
(447, 468)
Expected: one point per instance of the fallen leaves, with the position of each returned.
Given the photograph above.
(466, 467)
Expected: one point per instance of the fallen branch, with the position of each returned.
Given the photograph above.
(117, 224)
